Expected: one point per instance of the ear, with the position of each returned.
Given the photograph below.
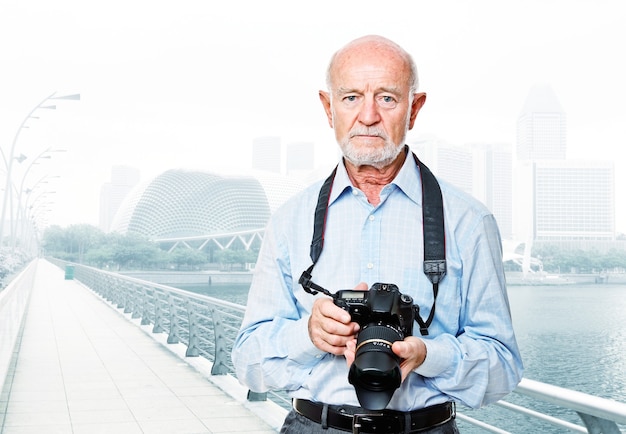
(325, 100)
(418, 101)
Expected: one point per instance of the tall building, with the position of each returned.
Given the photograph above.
(452, 163)
(482, 170)
(558, 201)
(575, 202)
(123, 179)
(266, 154)
(541, 126)
(493, 183)
(300, 158)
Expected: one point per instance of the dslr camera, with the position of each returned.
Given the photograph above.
(385, 316)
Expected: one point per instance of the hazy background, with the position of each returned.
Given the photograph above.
(190, 83)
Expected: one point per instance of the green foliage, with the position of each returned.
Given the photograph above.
(11, 261)
(233, 259)
(556, 259)
(89, 245)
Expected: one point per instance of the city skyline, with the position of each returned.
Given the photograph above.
(163, 86)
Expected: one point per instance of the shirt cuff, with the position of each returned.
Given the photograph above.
(301, 350)
(439, 357)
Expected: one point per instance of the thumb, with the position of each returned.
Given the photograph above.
(401, 349)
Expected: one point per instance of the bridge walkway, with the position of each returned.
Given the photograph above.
(81, 367)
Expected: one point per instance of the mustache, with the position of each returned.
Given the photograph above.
(374, 132)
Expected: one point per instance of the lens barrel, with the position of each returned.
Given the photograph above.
(375, 373)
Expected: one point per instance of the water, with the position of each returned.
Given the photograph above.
(572, 336)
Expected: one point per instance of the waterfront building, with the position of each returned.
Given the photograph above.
(112, 194)
(191, 208)
(266, 154)
(300, 158)
(482, 170)
(493, 183)
(542, 126)
(558, 201)
(575, 202)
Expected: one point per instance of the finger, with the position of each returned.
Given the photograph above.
(362, 286)
(330, 310)
(350, 351)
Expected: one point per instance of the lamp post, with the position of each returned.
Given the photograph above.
(30, 231)
(8, 162)
(22, 210)
(15, 221)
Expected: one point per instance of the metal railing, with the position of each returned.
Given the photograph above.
(13, 303)
(208, 326)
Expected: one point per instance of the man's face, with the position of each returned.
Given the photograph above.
(370, 105)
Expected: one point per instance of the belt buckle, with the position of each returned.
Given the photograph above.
(358, 418)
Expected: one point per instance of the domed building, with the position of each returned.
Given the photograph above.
(195, 205)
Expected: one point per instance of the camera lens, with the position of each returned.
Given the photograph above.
(375, 373)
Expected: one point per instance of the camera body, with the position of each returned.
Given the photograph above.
(385, 315)
(383, 302)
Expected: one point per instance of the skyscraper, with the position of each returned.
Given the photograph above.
(541, 126)
(482, 170)
(558, 201)
(493, 182)
(123, 179)
(266, 154)
(574, 202)
(300, 158)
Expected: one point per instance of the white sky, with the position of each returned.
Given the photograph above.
(190, 83)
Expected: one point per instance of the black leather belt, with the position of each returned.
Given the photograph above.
(356, 420)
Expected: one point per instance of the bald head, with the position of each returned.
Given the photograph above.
(372, 45)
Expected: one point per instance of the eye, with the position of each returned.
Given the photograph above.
(388, 101)
(350, 98)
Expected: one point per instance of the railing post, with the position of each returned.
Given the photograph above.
(596, 425)
(192, 321)
(158, 314)
(172, 337)
(122, 295)
(145, 312)
(257, 396)
(220, 366)
(137, 303)
(129, 296)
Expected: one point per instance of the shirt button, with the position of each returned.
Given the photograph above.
(370, 265)
(372, 218)
(355, 192)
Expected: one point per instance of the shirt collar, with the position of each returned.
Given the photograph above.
(407, 180)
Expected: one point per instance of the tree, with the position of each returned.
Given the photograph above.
(187, 257)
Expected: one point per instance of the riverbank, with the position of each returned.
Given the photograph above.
(517, 278)
(174, 278)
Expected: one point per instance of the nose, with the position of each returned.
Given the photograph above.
(369, 114)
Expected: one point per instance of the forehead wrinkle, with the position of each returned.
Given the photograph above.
(341, 90)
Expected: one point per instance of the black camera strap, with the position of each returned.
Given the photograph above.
(434, 237)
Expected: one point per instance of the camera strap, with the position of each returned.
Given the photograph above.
(433, 229)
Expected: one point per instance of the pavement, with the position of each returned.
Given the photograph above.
(85, 368)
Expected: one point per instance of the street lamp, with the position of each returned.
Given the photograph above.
(9, 162)
(15, 221)
(22, 210)
(29, 231)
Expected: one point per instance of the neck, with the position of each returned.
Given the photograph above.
(371, 180)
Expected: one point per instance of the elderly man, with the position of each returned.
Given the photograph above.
(370, 228)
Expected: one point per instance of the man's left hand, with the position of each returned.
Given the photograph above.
(412, 351)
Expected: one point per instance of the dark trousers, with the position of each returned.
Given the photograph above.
(295, 423)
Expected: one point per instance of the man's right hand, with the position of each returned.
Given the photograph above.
(330, 327)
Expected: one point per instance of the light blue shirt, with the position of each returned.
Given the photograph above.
(472, 356)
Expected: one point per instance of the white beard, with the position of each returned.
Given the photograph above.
(370, 156)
